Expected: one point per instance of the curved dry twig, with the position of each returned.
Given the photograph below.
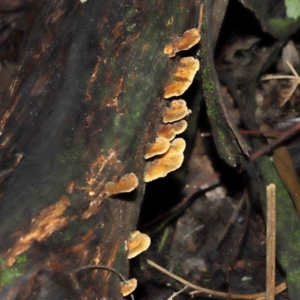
(103, 268)
(198, 289)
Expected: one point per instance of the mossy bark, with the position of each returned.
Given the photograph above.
(83, 104)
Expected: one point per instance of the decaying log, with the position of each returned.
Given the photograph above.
(84, 102)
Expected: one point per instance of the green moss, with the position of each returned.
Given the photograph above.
(74, 226)
(283, 27)
(221, 136)
(203, 25)
(131, 27)
(67, 238)
(207, 84)
(130, 13)
(209, 113)
(281, 24)
(8, 274)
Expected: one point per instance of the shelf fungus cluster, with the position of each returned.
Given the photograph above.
(166, 153)
(136, 244)
(189, 39)
(176, 111)
(183, 77)
(126, 184)
(128, 287)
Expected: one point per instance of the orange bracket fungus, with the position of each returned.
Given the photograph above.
(128, 286)
(184, 75)
(166, 163)
(160, 146)
(137, 243)
(176, 111)
(189, 39)
(169, 131)
(126, 184)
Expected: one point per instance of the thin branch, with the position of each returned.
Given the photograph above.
(284, 136)
(200, 17)
(177, 293)
(294, 78)
(280, 288)
(102, 267)
(271, 241)
(231, 221)
(292, 69)
(270, 76)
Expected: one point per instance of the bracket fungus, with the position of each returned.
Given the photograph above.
(137, 243)
(189, 39)
(170, 130)
(176, 111)
(166, 163)
(160, 146)
(184, 75)
(126, 184)
(128, 287)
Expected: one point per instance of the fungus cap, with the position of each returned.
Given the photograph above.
(126, 184)
(160, 146)
(170, 130)
(184, 76)
(189, 39)
(176, 111)
(166, 163)
(128, 287)
(137, 243)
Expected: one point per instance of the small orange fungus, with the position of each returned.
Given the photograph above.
(169, 131)
(126, 184)
(189, 39)
(137, 243)
(160, 146)
(128, 287)
(176, 111)
(166, 163)
(184, 76)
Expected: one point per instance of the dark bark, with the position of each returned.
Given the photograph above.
(84, 102)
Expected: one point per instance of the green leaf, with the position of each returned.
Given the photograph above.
(292, 9)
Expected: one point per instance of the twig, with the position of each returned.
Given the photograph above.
(293, 70)
(272, 133)
(103, 268)
(284, 136)
(177, 293)
(294, 78)
(247, 217)
(231, 221)
(198, 228)
(271, 241)
(200, 17)
(280, 288)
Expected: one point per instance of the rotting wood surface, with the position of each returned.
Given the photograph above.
(83, 104)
